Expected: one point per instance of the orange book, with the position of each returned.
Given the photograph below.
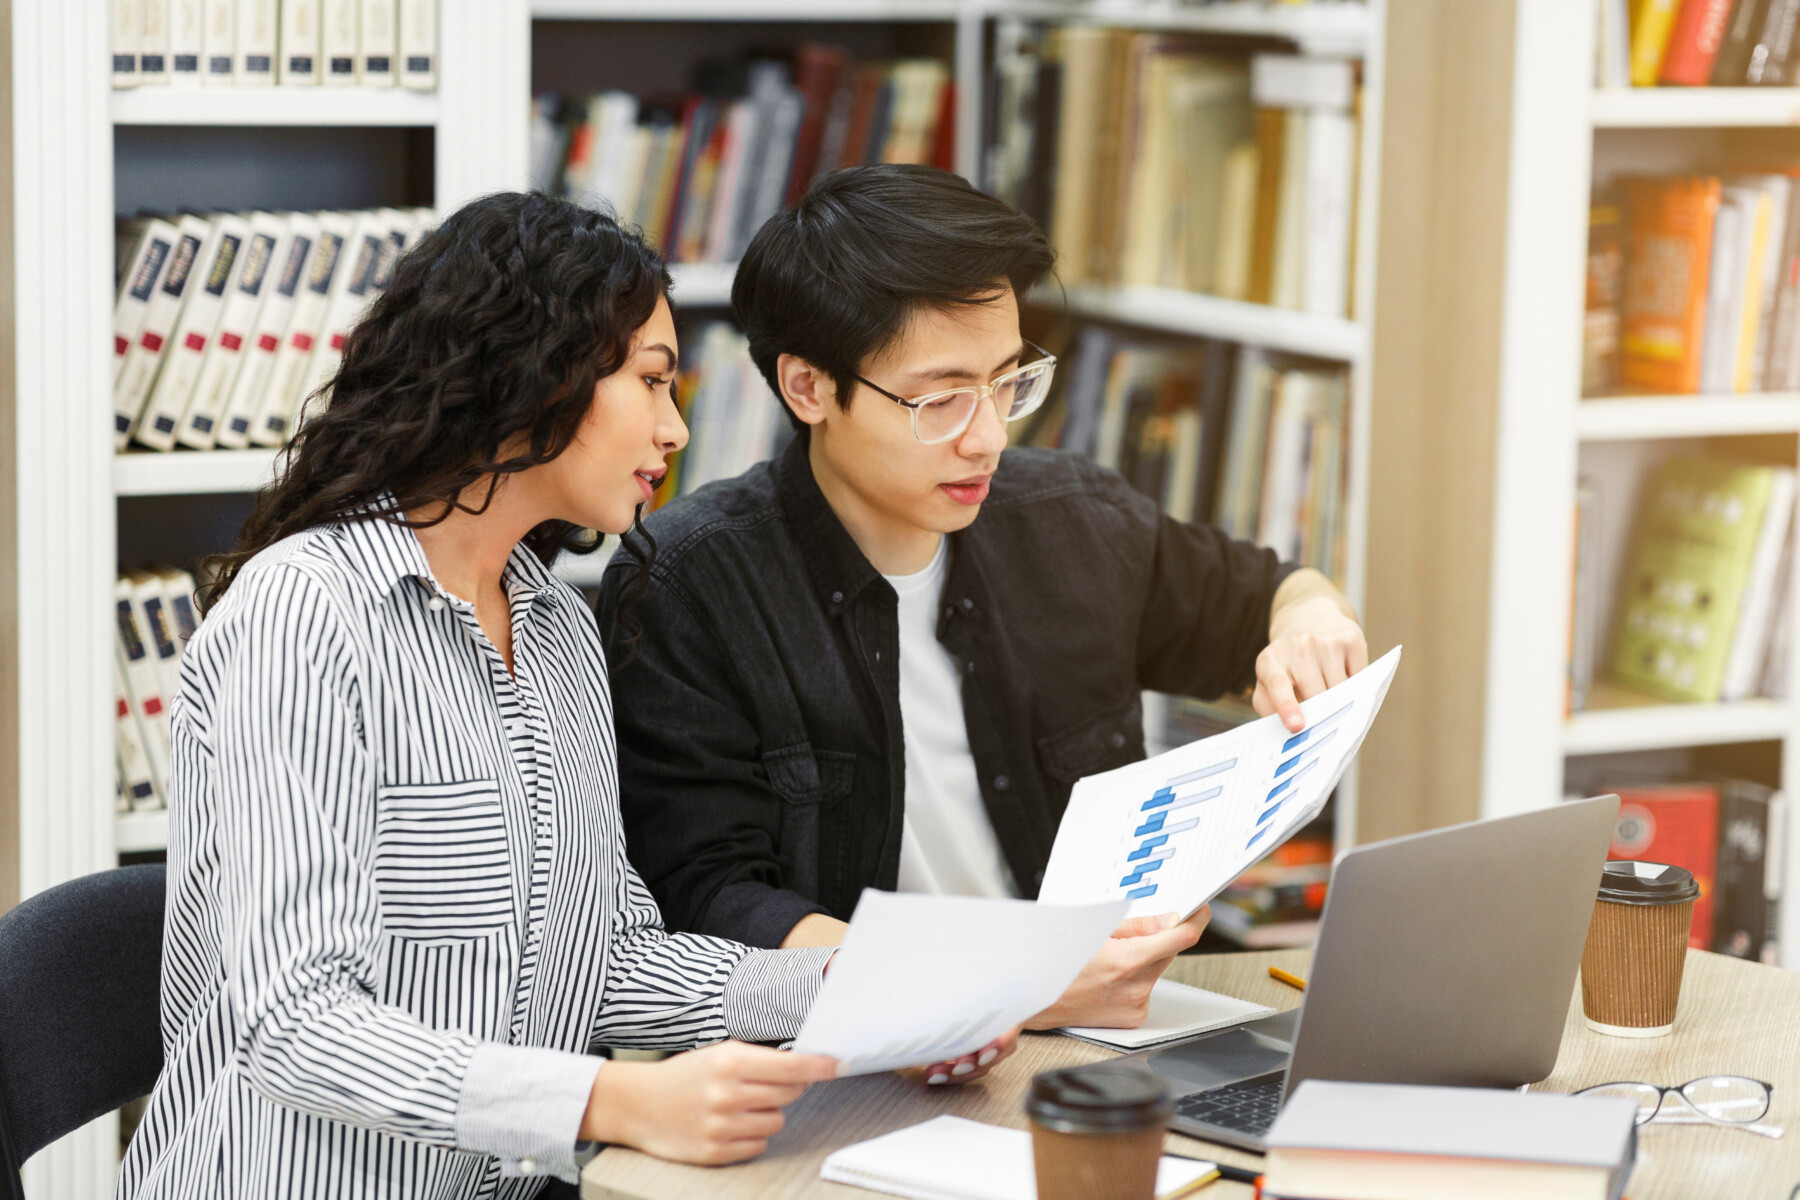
(1668, 254)
(1694, 42)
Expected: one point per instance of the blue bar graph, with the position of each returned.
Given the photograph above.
(1153, 825)
(1144, 850)
(1148, 889)
(1203, 773)
(1162, 797)
(1267, 813)
(1154, 850)
(1299, 739)
(1138, 875)
(1257, 836)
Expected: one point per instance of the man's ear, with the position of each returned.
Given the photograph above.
(808, 391)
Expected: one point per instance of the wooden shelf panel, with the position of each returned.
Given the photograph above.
(743, 10)
(703, 285)
(1625, 417)
(290, 106)
(1623, 721)
(1673, 108)
(1211, 316)
(140, 831)
(191, 472)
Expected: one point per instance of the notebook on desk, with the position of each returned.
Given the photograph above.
(1176, 1011)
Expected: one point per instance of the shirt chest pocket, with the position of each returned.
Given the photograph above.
(442, 866)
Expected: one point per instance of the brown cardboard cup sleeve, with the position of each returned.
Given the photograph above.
(1636, 948)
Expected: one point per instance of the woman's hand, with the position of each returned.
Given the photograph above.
(713, 1106)
(1113, 990)
(973, 1066)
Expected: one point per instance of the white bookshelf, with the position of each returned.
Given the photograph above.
(274, 106)
(1198, 315)
(1566, 135)
(141, 831)
(190, 473)
(746, 10)
(1340, 28)
(702, 285)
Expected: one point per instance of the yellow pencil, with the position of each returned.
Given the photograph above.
(1189, 1189)
(1287, 977)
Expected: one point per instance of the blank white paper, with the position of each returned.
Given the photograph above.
(921, 979)
(1169, 833)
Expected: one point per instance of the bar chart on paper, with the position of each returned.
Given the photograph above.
(1168, 833)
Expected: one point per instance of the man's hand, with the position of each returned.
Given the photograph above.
(1113, 990)
(712, 1106)
(1314, 643)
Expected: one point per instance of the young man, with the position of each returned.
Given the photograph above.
(883, 659)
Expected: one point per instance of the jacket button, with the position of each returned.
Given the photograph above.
(837, 597)
(1117, 740)
(968, 604)
(1001, 783)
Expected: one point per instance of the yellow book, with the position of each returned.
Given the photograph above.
(1762, 217)
(1651, 23)
(1237, 222)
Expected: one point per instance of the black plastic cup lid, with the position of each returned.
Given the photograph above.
(1101, 1098)
(1632, 882)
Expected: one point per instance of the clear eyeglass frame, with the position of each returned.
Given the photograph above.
(944, 416)
(1720, 1099)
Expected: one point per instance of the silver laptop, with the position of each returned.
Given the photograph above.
(1446, 957)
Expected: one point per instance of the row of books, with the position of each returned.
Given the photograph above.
(1698, 43)
(1238, 436)
(225, 324)
(700, 174)
(1154, 162)
(733, 420)
(1693, 285)
(1731, 833)
(1703, 613)
(155, 616)
(249, 43)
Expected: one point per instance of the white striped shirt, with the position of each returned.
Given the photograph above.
(399, 908)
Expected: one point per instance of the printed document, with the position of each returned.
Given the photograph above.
(922, 979)
(1169, 833)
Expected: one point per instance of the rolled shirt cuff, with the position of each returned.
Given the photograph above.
(755, 914)
(769, 992)
(524, 1104)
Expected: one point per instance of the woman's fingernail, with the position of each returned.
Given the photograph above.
(962, 1068)
(940, 1077)
(987, 1056)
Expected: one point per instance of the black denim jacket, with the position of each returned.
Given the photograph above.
(761, 766)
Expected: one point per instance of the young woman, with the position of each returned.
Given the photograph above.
(399, 907)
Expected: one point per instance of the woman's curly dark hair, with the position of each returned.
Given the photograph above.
(496, 325)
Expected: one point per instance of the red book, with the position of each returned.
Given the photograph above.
(1694, 42)
(1675, 823)
(818, 69)
(943, 145)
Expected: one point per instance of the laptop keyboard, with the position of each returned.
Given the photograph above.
(1248, 1106)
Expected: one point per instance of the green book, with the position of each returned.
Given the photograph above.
(1696, 539)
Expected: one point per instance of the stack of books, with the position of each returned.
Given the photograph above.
(155, 616)
(1152, 161)
(700, 174)
(249, 43)
(1694, 285)
(1244, 438)
(225, 324)
(733, 420)
(1278, 902)
(1698, 43)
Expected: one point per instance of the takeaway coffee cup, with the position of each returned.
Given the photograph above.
(1636, 948)
(1097, 1132)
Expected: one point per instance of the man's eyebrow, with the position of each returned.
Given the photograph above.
(933, 374)
(670, 354)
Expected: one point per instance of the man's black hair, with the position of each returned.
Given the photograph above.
(834, 279)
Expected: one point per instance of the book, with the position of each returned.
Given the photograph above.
(1733, 226)
(378, 42)
(282, 397)
(178, 600)
(1589, 582)
(218, 42)
(124, 47)
(214, 272)
(137, 781)
(1696, 539)
(418, 44)
(138, 372)
(1751, 864)
(225, 352)
(1756, 611)
(338, 39)
(1669, 244)
(187, 40)
(353, 287)
(290, 260)
(297, 63)
(1330, 194)
(1772, 58)
(1732, 66)
(1759, 325)
(143, 270)
(151, 610)
(1695, 39)
(1613, 51)
(258, 37)
(1391, 1141)
(153, 41)
(143, 683)
(1605, 283)
(1675, 823)
(1653, 21)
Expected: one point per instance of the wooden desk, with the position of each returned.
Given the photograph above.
(1736, 1018)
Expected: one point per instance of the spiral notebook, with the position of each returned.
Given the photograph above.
(1176, 1011)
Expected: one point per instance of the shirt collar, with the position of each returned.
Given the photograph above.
(390, 553)
(837, 565)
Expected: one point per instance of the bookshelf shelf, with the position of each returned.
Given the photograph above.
(273, 106)
(1694, 108)
(1192, 313)
(1629, 722)
(1628, 417)
(1339, 27)
(191, 473)
(702, 285)
(742, 10)
(137, 832)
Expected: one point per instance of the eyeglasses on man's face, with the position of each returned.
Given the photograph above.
(944, 416)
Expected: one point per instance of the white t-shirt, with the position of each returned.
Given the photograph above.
(947, 846)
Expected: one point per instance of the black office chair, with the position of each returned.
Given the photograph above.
(80, 1030)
